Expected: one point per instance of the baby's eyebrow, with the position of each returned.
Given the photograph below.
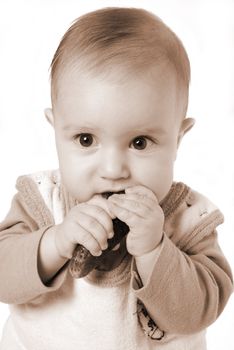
(152, 130)
(139, 130)
(73, 127)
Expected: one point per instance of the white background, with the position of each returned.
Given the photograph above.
(30, 31)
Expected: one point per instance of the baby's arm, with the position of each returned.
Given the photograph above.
(19, 241)
(140, 209)
(23, 246)
(187, 290)
(184, 291)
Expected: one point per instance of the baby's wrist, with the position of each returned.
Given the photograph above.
(149, 252)
(49, 259)
(59, 242)
(152, 246)
(146, 262)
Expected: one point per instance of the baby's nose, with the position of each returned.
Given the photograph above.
(114, 165)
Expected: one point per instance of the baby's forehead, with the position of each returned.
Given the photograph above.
(115, 75)
(116, 89)
(84, 85)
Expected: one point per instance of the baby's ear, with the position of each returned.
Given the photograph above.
(186, 125)
(49, 115)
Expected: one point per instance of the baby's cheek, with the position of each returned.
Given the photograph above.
(160, 182)
(155, 173)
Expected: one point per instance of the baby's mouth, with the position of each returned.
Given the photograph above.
(106, 195)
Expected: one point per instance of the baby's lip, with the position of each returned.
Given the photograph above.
(107, 194)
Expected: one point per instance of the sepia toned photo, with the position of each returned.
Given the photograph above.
(117, 177)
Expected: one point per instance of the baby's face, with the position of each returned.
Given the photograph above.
(112, 136)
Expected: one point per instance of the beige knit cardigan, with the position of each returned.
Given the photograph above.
(189, 286)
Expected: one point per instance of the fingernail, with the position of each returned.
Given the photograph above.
(110, 234)
(105, 246)
(98, 253)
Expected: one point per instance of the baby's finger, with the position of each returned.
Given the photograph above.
(101, 202)
(132, 206)
(92, 226)
(142, 191)
(122, 214)
(139, 199)
(89, 242)
(101, 216)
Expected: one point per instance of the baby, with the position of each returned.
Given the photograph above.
(119, 88)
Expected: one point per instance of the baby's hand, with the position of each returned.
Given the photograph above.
(87, 224)
(140, 210)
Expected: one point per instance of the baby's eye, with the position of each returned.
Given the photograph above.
(86, 140)
(141, 142)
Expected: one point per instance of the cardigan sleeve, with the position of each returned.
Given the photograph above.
(187, 290)
(19, 242)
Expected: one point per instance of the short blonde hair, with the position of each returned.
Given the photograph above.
(132, 38)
